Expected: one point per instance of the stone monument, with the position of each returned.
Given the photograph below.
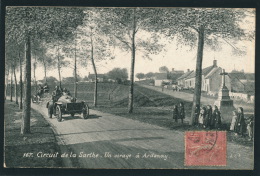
(224, 103)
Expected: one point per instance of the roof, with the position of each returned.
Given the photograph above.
(250, 76)
(185, 75)
(205, 71)
(238, 75)
(214, 70)
(160, 76)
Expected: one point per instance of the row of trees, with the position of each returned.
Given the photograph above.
(90, 34)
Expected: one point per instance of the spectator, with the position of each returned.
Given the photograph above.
(175, 114)
(250, 127)
(181, 112)
(202, 116)
(233, 121)
(208, 117)
(196, 114)
(216, 118)
(240, 126)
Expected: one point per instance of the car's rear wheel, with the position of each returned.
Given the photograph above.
(85, 112)
(59, 113)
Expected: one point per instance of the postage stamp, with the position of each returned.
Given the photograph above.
(205, 148)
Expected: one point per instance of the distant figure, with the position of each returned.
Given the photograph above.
(175, 113)
(250, 128)
(240, 126)
(202, 116)
(216, 118)
(208, 117)
(181, 112)
(196, 115)
(46, 88)
(233, 121)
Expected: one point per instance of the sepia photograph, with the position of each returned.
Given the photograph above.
(129, 87)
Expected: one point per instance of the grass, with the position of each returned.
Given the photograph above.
(41, 139)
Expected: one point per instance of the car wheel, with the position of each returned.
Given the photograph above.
(50, 111)
(59, 113)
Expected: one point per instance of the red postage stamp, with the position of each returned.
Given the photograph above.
(205, 148)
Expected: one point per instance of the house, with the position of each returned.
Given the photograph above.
(210, 81)
(161, 77)
(174, 75)
(100, 77)
(181, 79)
(189, 81)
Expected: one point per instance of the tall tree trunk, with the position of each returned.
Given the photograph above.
(6, 82)
(34, 75)
(15, 87)
(197, 91)
(11, 87)
(75, 70)
(59, 65)
(25, 127)
(95, 72)
(21, 82)
(45, 70)
(131, 88)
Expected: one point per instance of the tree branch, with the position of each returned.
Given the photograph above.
(121, 40)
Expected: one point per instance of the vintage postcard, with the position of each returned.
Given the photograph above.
(129, 88)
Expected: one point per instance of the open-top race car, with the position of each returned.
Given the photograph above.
(67, 105)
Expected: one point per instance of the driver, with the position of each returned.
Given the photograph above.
(66, 92)
(56, 94)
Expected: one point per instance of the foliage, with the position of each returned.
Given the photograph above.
(140, 76)
(163, 69)
(149, 75)
(118, 74)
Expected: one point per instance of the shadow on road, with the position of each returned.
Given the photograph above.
(93, 116)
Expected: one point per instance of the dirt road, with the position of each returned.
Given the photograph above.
(109, 141)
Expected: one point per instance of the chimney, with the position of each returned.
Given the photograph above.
(188, 70)
(172, 69)
(215, 63)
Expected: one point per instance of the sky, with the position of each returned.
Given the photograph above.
(174, 56)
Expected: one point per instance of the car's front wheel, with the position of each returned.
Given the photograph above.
(59, 113)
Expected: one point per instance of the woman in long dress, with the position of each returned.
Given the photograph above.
(202, 116)
(216, 118)
(233, 121)
(181, 112)
(196, 115)
(208, 117)
(240, 125)
(175, 113)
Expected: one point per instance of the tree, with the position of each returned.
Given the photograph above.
(163, 69)
(140, 76)
(94, 44)
(41, 23)
(122, 25)
(149, 75)
(203, 27)
(118, 74)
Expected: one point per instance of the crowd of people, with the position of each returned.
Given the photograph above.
(239, 124)
(210, 118)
